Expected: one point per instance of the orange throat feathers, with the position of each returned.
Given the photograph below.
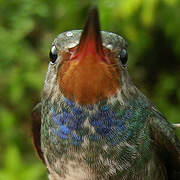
(88, 74)
(88, 81)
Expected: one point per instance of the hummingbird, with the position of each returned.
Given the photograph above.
(92, 122)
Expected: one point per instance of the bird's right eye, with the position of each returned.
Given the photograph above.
(53, 54)
(124, 56)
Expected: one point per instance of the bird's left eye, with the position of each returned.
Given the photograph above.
(53, 54)
(123, 56)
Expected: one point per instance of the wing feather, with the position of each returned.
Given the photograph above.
(36, 130)
(166, 143)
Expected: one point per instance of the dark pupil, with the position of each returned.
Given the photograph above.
(124, 56)
(53, 54)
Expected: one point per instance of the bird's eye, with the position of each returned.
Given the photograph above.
(124, 56)
(53, 54)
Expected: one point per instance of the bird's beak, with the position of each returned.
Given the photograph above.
(90, 41)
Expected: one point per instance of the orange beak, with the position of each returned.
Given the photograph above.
(90, 41)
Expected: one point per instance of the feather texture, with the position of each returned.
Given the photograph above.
(96, 125)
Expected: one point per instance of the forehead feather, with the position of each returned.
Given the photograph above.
(70, 39)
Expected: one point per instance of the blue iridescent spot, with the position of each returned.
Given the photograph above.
(61, 118)
(64, 129)
(75, 124)
(63, 132)
(55, 119)
(127, 115)
(114, 137)
(96, 117)
(66, 116)
(76, 110)
(109, 121)
(110, 137)
(96, 123)
(62, 136)
(114, 141)
(121, 127)
(68, 102)
(103, 130)
(106, 118)
(82, 116)
(105, 108)
(76, 140)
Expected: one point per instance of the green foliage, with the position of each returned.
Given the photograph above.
(27, 28)
(16, 168)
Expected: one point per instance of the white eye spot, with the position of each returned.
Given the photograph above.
(109, 46)
(69, 34)
(53, 50)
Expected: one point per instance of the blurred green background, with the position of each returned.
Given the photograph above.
(27, 28)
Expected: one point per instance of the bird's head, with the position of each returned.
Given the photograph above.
(86, 66)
